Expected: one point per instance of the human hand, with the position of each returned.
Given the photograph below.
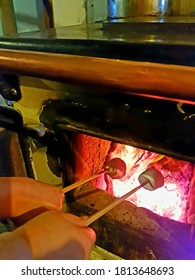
(57, 235)
(19, 195)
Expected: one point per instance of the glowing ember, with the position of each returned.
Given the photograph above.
(170, 200)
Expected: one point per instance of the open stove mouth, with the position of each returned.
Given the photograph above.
(157, 222)
(171, 201)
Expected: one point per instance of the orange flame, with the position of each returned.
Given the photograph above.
(169, 201)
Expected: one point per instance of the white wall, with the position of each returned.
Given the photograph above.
(29, 15)
(96, 10)
(69, 12)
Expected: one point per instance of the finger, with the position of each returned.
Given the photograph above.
(23, 218)
(89, 238)
(52, 197)
(73, 219)
(41, 194)
(91, 235)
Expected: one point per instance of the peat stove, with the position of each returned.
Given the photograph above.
(148, 128)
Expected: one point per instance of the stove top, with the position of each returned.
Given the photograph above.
(170, 40)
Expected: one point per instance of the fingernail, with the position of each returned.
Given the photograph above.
(92, 234)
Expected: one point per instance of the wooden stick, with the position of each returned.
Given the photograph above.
(8, 18)
(102, 212)
(83, 181)
(163, 81)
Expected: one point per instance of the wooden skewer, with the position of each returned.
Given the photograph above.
(151, 179)
(102, 212)
(115, 168)
(83, 181)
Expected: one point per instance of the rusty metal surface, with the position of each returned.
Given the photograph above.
(154, 125)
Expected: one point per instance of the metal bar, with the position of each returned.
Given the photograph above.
(167, 82)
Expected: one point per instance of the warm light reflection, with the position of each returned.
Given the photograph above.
(170, 200)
